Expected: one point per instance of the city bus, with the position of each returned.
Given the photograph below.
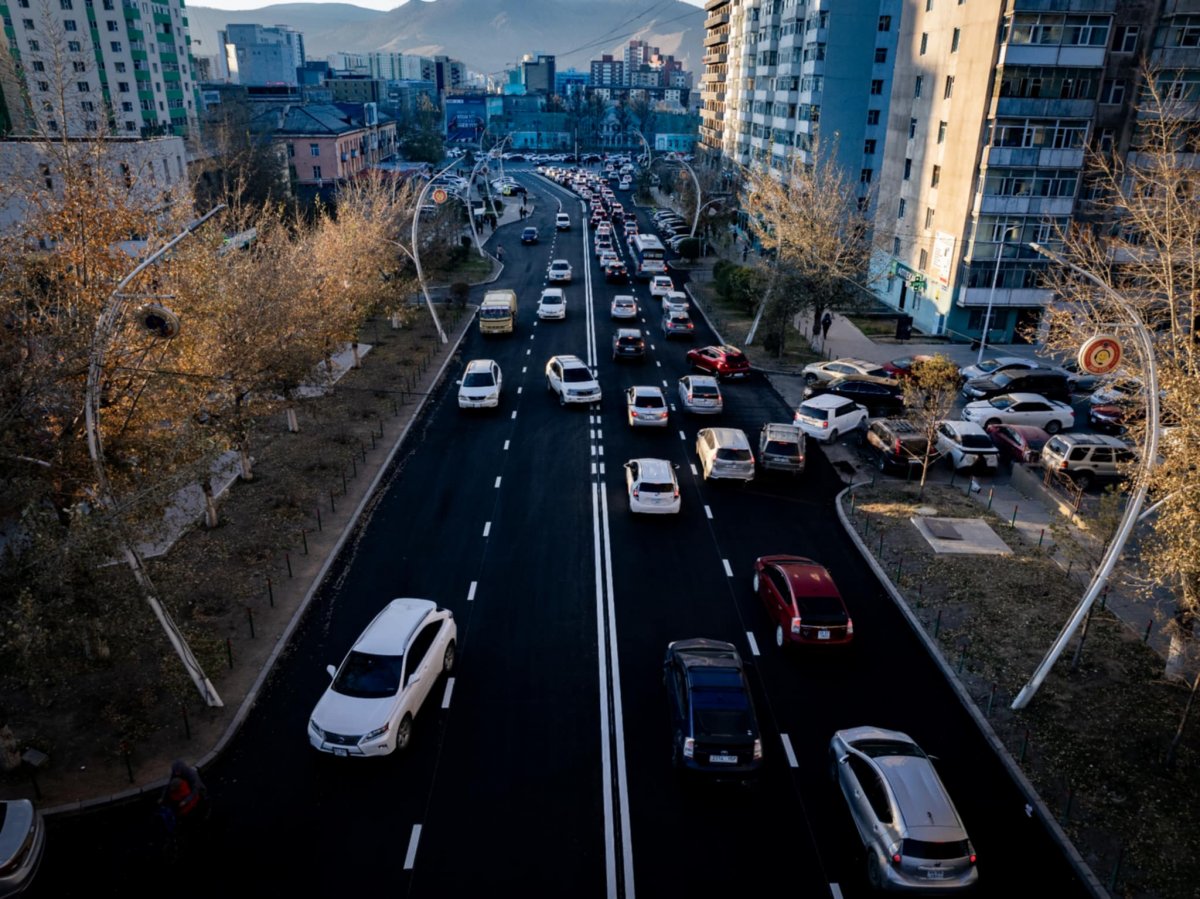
(649, 257)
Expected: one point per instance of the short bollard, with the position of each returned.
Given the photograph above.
(304, 539)
(953, 473)
(937, 624)
(866, 525)
(991, 700)
(395, 411)
(1041, 537)
(362, 445)
(187, 725)
(332, 507)
(1149, 626)
(874, 477)
(1024, 746)
(270, 592)
(343, 482)
(250, 620)
(287, 557)
(372, 438)
(1070, 565)
(1104, 598)
(229, 651)
(853, 497)
(128, 756)
(354, 465)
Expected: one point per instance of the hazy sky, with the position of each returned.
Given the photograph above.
(368, 4)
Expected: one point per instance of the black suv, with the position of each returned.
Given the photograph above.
(897, 443)
(713, 726)
(1053, 385)
(876, 397)
(628, 343)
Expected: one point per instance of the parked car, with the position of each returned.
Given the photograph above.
(652, 487)
(1018, 443)
(996, 365)
(903, 367)
(877, 397)
(914, 837)
(646, 405)
(677, 323)
(966, 445)
(896, 443)
(529, 235)
(552, 304)
(628, 343)
(700, 394)
(1088, 458)
(725, 453)
(560, 272)
(1051, 416)
(375, 694)
(1047, 382)
(781, 447)
(1118, 390)
(1115, 418)
(825, 418)
(714, 730)
(816, 372)
(571, 381)
(480, 385)
(802, 601)
(723, 361)
(623, 307)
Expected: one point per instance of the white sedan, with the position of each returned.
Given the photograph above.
(382, 683)
(646, 406)
(624, 306)
(1033, 409)
(552, 304)
(652, 486)
(560, 272)
(661, 285)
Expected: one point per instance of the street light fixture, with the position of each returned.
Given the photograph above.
(1129, 517)
(160, 322)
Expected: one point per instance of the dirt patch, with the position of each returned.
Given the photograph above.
(1095, 738)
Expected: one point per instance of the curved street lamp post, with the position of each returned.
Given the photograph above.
(161, 323)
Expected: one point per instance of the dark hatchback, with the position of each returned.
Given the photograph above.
(529, 235)
(877, 398)
(713, 726)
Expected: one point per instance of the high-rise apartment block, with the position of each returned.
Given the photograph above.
(87, 66)
(258, 54)
(537, 73)
(607, 72)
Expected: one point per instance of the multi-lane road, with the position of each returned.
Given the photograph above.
(543, 767)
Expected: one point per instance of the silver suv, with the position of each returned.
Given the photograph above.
(1087, 458)
(910, 828)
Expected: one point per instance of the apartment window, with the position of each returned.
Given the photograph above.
(291, 151)
(28, 23)
(924, 42)
(24, 4)
(119, 66)
(936, 177)
(941, 138)
(923, 260)
(954, 40)
(45, 173)
(317, 172)
(65, 4)
(109, 4)
(123, 87)
(126, 106)
(907, 168)
(864, 177)
(881, 54)
(43, 85)
(872, 116)
(912, 128)
(917, 86)
(314, 149)
(876, 87)
(1105, 139)
(116, 46)
(112, 25)
(74, 46)
(1112, 92)
(885, 23)
(79, 66)
(949, 91)
(39, 66)
(928, 222)
(869, 147)
(83, 86)
(87, 106)
(34, 46)
(1125, 38)
(900, 209)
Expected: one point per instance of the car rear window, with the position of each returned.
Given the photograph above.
(977, 441)
(704, 390)
(813, 412)
(822, 609)
(728, 454)
(649, 402)
(647, 487)
(782, 448)
(629, 341)
(1057, 446)
(925, 849)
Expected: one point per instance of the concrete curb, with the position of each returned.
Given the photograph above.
(1044, 814)
(285, 637)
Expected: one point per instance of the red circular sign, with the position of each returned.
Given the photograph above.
(1100, 355)
(439, 196)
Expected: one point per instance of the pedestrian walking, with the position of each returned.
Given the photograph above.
(745, 251)
(826, 321)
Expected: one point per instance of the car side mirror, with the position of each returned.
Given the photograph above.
(459, 382)
(415, 677)
(332, 671)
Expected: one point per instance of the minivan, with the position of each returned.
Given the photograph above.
(562, 222)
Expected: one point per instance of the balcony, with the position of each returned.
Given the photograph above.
(1035, 157)
(714, 40)
(1003, 296)
(717, 18)
(710, 5)
(1044, 108)
(715, 58)
(1037, 55)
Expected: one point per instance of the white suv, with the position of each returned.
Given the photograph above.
(725, 453)
(380, 686)
(825, 416)
(552, 304)
(571, 380)
(661, 285)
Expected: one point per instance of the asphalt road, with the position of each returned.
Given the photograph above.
(543, 768)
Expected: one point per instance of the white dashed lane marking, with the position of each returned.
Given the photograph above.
(487, 528)
(728, 570)
(471, 591)
(707, 512)
(411, 856)
(787, 748)
(448, 693)
(497, 483)
(753, 643)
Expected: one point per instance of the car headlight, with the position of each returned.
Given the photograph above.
(689, 748)
(312, 725)
(377, 732)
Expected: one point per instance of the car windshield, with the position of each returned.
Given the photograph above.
(977, 441)
(881, 748)
(367, 676)
(720, 704)
(478, 379)
(1002, 379)
(877, 372)
(551, 301)
(987, 366)
(576, 375)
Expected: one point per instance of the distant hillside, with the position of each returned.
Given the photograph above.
(487, 35)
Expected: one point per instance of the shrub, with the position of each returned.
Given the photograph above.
(690, 249)
(459, 291)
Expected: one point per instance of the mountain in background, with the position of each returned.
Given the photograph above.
(487, 35)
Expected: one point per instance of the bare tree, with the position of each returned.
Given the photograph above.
(929, 395)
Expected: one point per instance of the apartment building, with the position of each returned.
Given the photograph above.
(259, 54)
(993, 109)
(82, 67)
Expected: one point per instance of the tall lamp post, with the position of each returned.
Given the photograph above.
(162, 323)
(415, 253)
(987, 318)
(1130, 516)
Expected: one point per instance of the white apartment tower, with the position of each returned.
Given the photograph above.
(259, 54)
(87, 66)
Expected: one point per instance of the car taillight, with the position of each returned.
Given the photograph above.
(757, 749)
(1063, 464)
(972, 857)
(795, 625)
(895, 858)
(897, 448)
(677, 492)
(635, 493)
(849, 627)
(689, 748)
(689, 397)
(824, 424)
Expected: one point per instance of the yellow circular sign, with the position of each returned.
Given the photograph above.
(1100, 355)
(439, 195)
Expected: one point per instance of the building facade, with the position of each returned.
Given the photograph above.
(88, 66)
(537, 73)
(328, 145)
(259, 54)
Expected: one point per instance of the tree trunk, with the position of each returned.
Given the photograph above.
(211, 519)
(1182, 650)
(293, 424)
(354, 352)
(247, 473)
(1187, 711)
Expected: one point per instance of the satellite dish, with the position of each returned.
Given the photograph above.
(158, 321)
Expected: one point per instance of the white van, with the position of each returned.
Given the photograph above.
(562, 222)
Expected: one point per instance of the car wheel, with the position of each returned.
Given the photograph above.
(779, 641)
(562, 398)
(448, 657)
(404, 733)
(1084, 480)
(755, 582)
(833, 435)
(874, 877)
(810, 379)
(1053, 427)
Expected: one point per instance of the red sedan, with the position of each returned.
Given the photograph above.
(1018, 443)
(902, 367)
(722, 361)
(802, 600)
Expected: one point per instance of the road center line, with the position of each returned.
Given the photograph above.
(471, 591)
(682, 436)
(514, 415)
(787, 748)
(487, 529)
(707, 512)
(411, 855)
(497, 482)
(728, 570)
(447, 694)
(835, 891)
(753, 643)
(506, 446)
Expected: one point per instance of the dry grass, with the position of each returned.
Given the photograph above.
(1098, 733)
(733, 322)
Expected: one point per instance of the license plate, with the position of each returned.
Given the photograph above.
(935, 874)
(341, 752)
(823, 634)
(722, 758)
